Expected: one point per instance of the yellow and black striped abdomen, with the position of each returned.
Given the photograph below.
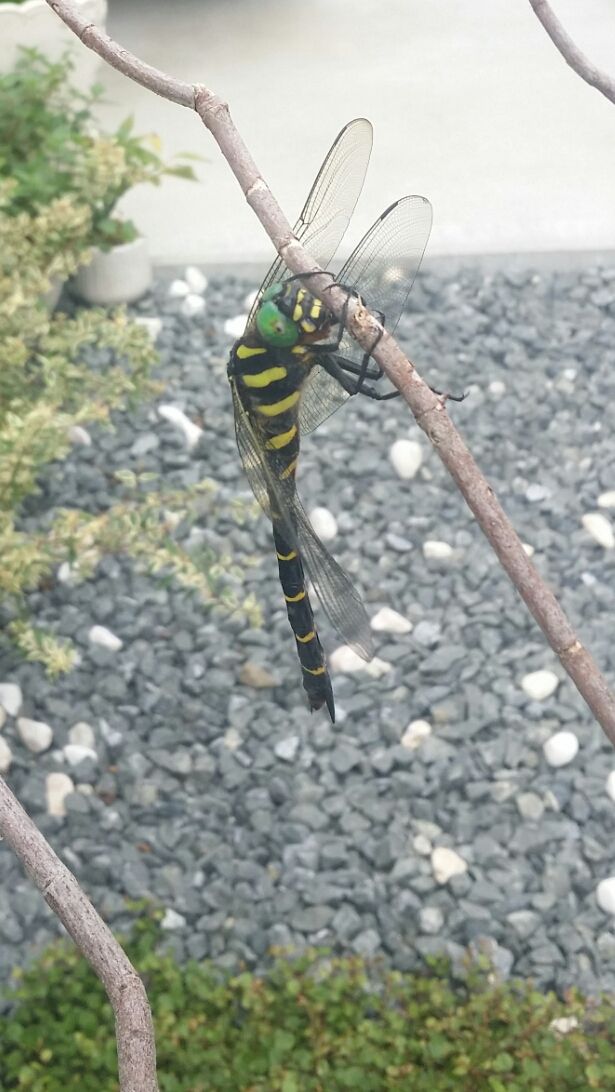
(269, 382)
(316, 681)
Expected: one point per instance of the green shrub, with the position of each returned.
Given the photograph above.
(47, 387)
(51, 146)
(312, 1024)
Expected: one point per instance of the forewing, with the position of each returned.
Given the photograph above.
(382, 268)
(331, 201)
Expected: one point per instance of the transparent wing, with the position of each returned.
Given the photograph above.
(382, 268)
(321, 396)
(331, 202)
(279, 500)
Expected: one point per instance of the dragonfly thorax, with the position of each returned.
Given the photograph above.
(288, 314)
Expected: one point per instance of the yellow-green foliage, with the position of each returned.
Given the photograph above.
(314, 1024)
(46, 388)
(51, 146)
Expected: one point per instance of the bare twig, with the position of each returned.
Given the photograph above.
(125, 990)
(428, 410)
(571, 53)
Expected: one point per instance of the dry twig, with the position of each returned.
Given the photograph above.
(571, 53)
(428, 410)
(133, 1021)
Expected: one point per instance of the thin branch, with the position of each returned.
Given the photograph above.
(124, 988)
(428, 410)
(571, 53)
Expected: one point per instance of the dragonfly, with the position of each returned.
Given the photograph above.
(295, 365)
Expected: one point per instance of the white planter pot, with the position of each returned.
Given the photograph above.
(35, 26)
(120, 275)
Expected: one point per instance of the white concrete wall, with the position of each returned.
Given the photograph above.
(471, 104)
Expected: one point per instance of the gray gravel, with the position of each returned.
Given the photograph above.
(255, 824)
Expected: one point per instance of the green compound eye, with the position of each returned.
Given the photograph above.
(274, 327)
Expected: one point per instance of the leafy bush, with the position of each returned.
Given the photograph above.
(47, 388)
(312, 1024)
(51, 146)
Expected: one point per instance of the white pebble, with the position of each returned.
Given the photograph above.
(599, 527)
(195, 279)
(610, 784)
(232, 739)
(389, 621)
(192, 433)
(440, 551)
(607, 500)
(562, 1025)
(530, 806)
(249, 300)
(6, 756)
(497, 388)
(431, 919)
(172, 920)
(234, 327)
(79, 435)
(324, 523)
(82, 734)
(150, 323)
(539, 685)
(376, 667)
(446, 864)
(178, 288)
(529, 550)
(36, 735)
(100, 635)
(57, 787)
(561, 748)
(345, 660)
(286, 749)
(415, 733)
(74, 753)
(605, 895)
(112, 736)
(406, 456)
(10, 698)
(84, 788)
(421, 845)
(192, 305)
(65, 573)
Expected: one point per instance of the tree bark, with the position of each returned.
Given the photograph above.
(136, 1046)
(571, 53)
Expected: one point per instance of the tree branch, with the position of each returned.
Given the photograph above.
(428, 410)
(571, 53)
(125, 990)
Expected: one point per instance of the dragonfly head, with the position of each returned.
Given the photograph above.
(275, 328)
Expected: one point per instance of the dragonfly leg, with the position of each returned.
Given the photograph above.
(370, 392)
(334, 369)
(363, 368)
(448, 397)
